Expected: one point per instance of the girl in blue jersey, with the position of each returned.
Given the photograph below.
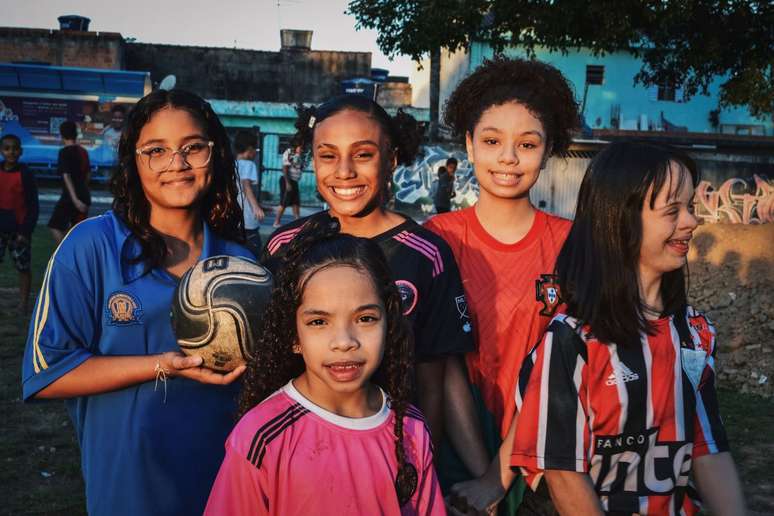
(355, 147)
(100, 336)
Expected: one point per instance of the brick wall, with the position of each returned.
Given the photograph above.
(236, 74)
(62, 48)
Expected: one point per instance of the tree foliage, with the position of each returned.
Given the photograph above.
(685, 42)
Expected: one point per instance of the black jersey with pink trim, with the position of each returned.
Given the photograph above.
(632, 417)
(427, 278)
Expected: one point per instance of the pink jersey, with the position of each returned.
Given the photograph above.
(288, 456)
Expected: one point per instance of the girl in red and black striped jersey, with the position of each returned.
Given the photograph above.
(617, 404)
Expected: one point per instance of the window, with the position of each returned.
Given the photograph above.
(595, 74)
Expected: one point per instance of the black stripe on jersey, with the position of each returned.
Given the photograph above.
(261, 451)
(273, 423)
(562, 410)
(633, 358)
(415, 414)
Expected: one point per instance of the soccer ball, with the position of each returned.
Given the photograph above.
(217, 308)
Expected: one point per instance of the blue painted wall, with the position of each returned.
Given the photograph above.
(634, 100)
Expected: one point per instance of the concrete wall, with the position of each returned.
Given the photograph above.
(62, 48)
(235, 74)
(639, 106)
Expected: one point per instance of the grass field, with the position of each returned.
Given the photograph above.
(40, 472)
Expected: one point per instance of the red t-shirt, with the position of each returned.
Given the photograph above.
(12, 193)
(506, 285)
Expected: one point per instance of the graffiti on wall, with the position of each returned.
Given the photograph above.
(736, 201)
(415, 184)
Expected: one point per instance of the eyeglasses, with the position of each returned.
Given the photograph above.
(195, 154)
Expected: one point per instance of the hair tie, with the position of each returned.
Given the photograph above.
(312, 120)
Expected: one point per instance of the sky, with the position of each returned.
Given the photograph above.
(248, 24)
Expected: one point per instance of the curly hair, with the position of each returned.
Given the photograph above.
(219, 207)
(540, 87)
(403, 133)
(320, 245)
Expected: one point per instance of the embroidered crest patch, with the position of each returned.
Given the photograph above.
(408, 295)
(123, 309)
(547, 291)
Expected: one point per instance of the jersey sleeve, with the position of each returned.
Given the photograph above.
(63, 325)
(552, 429)
(428, 498)
(68, 162)
(248, 171)
(710, 434)
(239, 488)
(443, 325)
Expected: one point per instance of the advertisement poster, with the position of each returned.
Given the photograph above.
(36, 121)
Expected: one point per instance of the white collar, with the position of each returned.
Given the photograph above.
(352, 423)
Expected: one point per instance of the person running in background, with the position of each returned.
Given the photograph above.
(245, 146)
(292, 168)
(18, 213)
(445, 188)
(618, 409)
(514, 115)
(327, 425)
(356, 145)
(73, 165)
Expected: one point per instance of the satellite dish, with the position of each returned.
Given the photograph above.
(168, 82)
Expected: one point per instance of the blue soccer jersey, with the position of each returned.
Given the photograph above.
(140, 453)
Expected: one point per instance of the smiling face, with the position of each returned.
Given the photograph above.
(506, 148)
(667, 228)
(180, 186)
(350, 162)
(341, 331)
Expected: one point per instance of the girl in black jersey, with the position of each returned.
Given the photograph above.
(355, 147)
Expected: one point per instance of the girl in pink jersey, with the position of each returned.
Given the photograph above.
(327, 427)
(617, 405)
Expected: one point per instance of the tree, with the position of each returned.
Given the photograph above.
(685, 42)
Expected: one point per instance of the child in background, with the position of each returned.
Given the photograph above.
(514, 115)
(327, 427)
(73, 166)
(18, 213)
(619, 410)
(245, 146)
(445, 188)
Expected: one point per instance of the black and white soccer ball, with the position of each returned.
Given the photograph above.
(217, 308)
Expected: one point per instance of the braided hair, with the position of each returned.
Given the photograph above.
(320, 245)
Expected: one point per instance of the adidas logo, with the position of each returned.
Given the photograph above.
(628, 375)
